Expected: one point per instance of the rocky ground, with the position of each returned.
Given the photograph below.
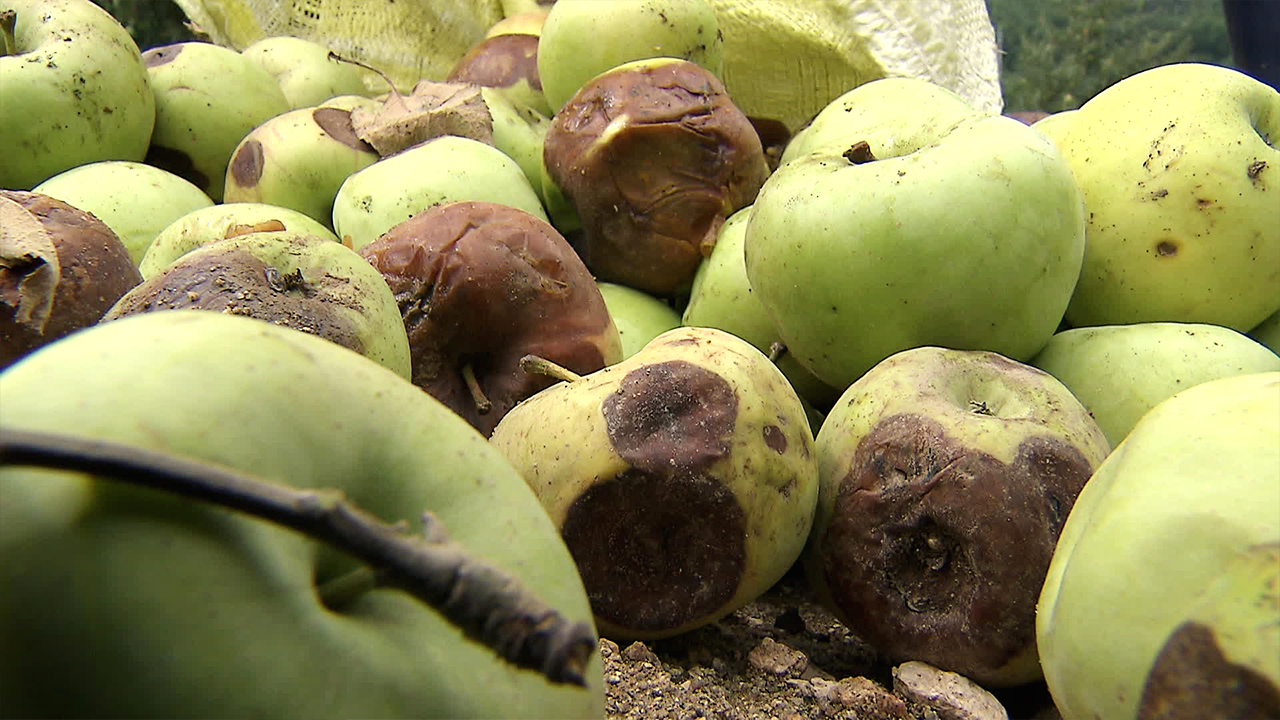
(784, 657)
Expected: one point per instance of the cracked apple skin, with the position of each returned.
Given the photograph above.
(946, 479)
(654, 156)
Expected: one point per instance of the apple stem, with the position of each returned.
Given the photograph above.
(487, 604)
(776, 351)
(335, 57)
(483, 406)
(8, 32)
(535, 365)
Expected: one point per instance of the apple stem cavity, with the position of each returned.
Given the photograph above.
(8, 31)
(859, 153)
(535, 365)
(483, 406)
(486, 603)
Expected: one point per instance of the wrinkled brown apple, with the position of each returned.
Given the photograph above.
(653, 155)
(60, 269)
(481, 285)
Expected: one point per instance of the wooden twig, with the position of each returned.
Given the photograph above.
(485, 602)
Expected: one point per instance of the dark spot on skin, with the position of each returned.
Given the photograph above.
(682, 341)
(1157, 194)
(233, 281)
(500, 61)
(1255, 169)
(657, 549)
(1203, 203)
(1166, 248)
(937, 552)
(176, 162)
(1191, 679)
(859, 153)
(671, 415)
(246, 166)
(336, 123)
(161, 55)
(775, 439)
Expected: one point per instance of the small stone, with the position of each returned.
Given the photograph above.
(638, 651)
(608, 648)
(774, 658)
(951, 696)
(863, 697)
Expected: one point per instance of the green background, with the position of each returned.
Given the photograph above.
(1055, 53)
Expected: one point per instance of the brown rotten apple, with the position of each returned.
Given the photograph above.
(654, 156)
(479, 286)
(60, 269)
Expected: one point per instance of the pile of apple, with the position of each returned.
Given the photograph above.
(1010, 393)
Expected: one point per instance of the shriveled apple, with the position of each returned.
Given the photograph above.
(60, 269)
(479, 286)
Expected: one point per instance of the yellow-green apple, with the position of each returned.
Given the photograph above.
(118, 601)
(967, 235)
(208, 97)
(1179, 167)
(581, 39)
(304, 282)
(1163, 521)
(653, 156)
(1119, 372)
(304, 70)
(683, 479)
(61, 269)
(73, 90)
(479, 286)
(721, 297)
(297, 160)
(527, 22)
(221, 221)
(444, 169)
(946, 478)
(639, 316)
(507, 62)
(134, 199)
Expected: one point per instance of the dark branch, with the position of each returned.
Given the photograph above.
(485, 602)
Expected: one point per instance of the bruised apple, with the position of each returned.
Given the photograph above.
(479, 286)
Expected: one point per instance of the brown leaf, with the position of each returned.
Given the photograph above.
(29, 265)
(431, 110)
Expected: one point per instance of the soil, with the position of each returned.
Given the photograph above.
(782, 657)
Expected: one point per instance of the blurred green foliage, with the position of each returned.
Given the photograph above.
(1059, 53)
(1056, 53)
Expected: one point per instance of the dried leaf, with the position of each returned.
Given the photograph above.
(433, 109)
(29, 268)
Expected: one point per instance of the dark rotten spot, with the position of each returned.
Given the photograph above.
(671, 415)
(161, 55)
(775, 439)
(246, 165)
(1191, 679)
(336, 123)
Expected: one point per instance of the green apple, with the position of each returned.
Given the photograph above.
(297, 160)
(118, 601)
(1267, 332)
(1195, 484)
(507, 62)
(208, 97)
(1119, 372)
(73, 90)
(134, 199)
(61, 269)
(527, 22)
(1055, 123)
(581, 39)
(444, 169)
(639, 316)
(305, 282)
(946, 478)
(683, 479)
(304, 70)
(221, 221)
(1179, 167)
(970, 238)
(721, 297)
(874, 112)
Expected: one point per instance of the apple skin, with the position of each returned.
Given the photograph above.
(303, 70)
(721, 297)
(946, 477)
(134, 199)
(132, 567)
(581, 39)
(972, 240)
(1194, 484)
(1119, 372)
(208, 97)
(682, 478)
(639, 316)
(1184, 225)
(77, 93)
(221, 221)
(444, 169)
(1267, 332)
